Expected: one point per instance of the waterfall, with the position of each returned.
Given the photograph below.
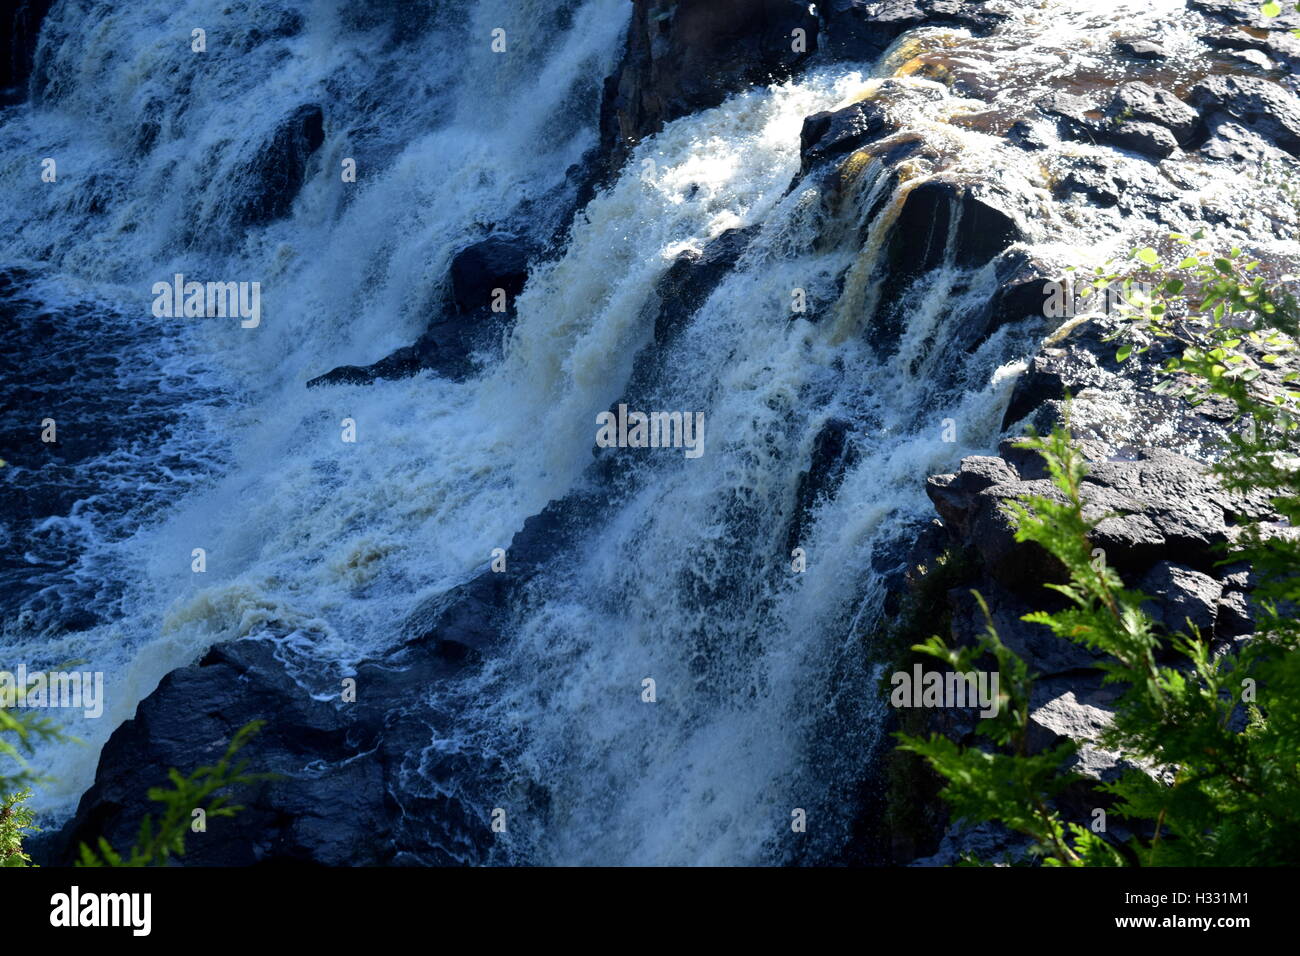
(766, 702)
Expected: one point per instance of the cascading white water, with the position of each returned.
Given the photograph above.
(765, 702)
(449, 137)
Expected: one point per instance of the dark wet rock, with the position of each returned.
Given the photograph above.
(830, 134)
(445, 348)
(1148, 139)
(1142, 103)
(861, 31)
(1139, 117)
(831, 458)
(477, 272)
(270, 181)
(1278, 48)
(1094, 180)
(1260, 105)
(1231, 143)
(1053, 373)
(472, 615)
(689, 55)
(20, 27)
(1246, 13)
(1022, 292)
(691, 279)
(307, 818)
(1027, 136)
(941, 220)
(1075, 115)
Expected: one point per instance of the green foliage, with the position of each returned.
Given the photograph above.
(1211, 744)
(1274, 9)
(15, 822)
(159, 840)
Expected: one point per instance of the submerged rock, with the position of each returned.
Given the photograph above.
(485, 279)
(494, 269)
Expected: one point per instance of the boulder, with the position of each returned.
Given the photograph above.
(1142, 49)
(944, 221)
(331, 803)
(1139, 117)
(828, 134)
(832, 456)
(691, 279)
(1140, 102)
(860, 31)
(1236, 615)
(268, 184)
(497, 262)
(954, 495)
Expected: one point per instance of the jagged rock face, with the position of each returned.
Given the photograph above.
(1164, 523)
(690, 55)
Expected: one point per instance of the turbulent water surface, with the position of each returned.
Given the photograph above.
(178, 434)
